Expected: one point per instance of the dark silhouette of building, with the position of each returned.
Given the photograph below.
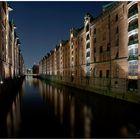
(35, 69)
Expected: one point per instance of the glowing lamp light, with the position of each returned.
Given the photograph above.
(1, 82)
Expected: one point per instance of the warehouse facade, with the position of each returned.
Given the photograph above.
(103, 54)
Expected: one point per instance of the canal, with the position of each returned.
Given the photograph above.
(46, 110)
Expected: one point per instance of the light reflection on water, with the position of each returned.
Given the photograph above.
(87, 121)
(13, 120)
(77, 117)
(68, 113)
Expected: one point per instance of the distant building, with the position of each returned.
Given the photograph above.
(103, 54)
(29, 71)
(35, 69)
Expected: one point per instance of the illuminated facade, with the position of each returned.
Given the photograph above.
(103, 54)
(11, 59)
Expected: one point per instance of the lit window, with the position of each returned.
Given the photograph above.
(133, 68)
(133, 51)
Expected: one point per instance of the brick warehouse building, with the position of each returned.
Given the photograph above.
(103, 54)
(11, 59)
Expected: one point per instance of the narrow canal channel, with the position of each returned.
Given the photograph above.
(45, 110)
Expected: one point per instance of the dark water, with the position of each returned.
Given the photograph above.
(44, 110)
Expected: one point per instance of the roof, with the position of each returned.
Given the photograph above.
(108, 8)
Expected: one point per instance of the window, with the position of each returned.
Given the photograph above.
(94, 40)
(133, 10)
(88, 64)
(133, 25)
(108, 48)
(88, 54)
(133, 51)
(87, 38)
(100, 74)
(133, 68)
(88, 46)
(107, 73)
(72, 52)
(117, 54)
(133, 39)
(117, 30)
(117, 42)
(94, 49)
(95, 31)
(87, 28)
(101, 49)
(116, 18)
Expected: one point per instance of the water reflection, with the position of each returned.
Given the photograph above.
(87, 121)
(61, 100)
(61, 105)
(85, 116)
(72, 117)
(69, 113)
(13, 120)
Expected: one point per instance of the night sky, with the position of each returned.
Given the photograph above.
(41, 25)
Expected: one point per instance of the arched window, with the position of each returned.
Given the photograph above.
(88, 46)
(87, 38)
(133, 39)
(133, 10)
(87, 28)
(133, 25)
(88, 54)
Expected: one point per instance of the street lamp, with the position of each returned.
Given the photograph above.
(1, 81)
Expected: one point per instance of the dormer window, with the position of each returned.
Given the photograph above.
(87, 38)
(87, 28)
